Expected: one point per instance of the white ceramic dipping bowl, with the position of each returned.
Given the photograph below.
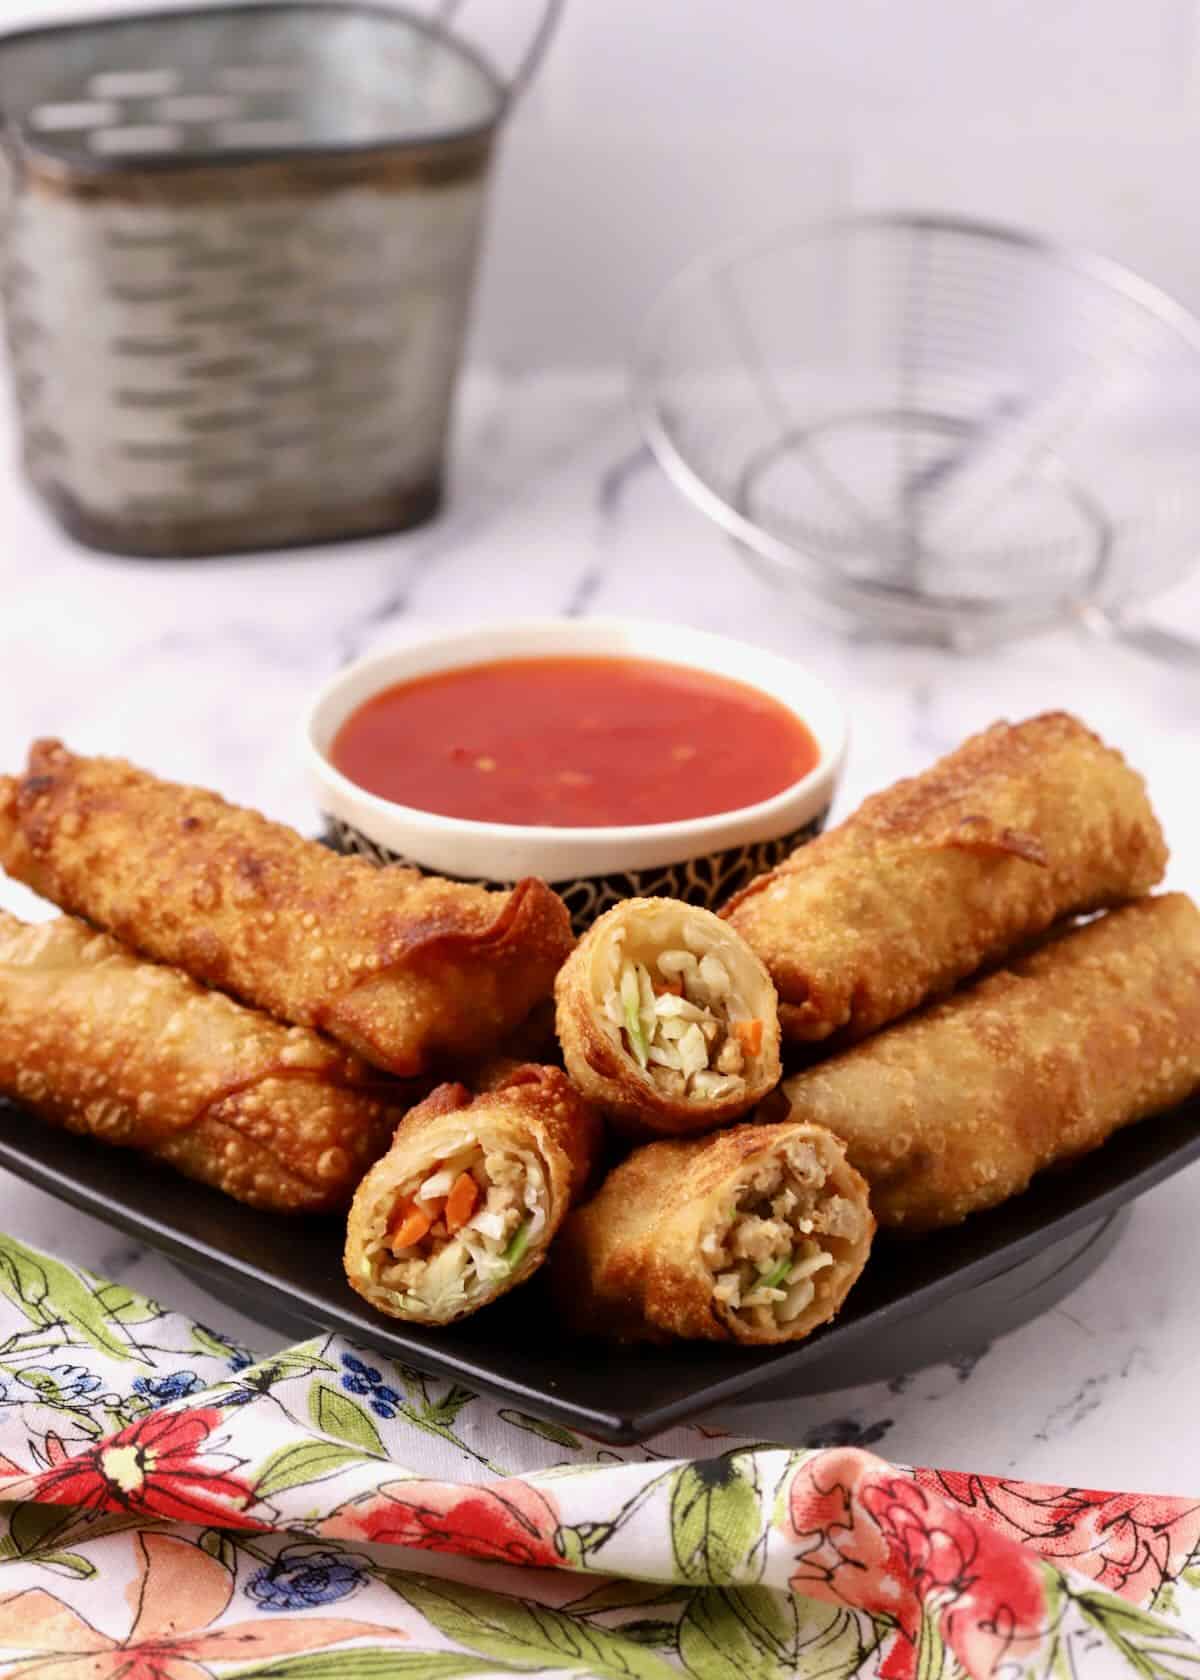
(703, 860)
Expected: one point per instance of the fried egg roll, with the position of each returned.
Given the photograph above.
(957, 1108)
(465, 1203)
(404, 969)
(754, 1235)
(938, 876)
(97, 1041)
(667, 1019)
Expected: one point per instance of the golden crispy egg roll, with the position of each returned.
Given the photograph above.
(942, 874)
(465, 1203)
(754, 1235)
(401, 967)
(957, 1108)
(667, 1019)
(97, 1041)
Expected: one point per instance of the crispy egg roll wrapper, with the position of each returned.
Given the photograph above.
(534, 1040)
(403, 968)
(942, 874)
(955, 1109)
(528, 1141)
(649, 1258)
(650, 1098)
(95, 1040)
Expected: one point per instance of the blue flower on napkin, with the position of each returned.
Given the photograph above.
(301, 1578)
(59, 1385)
(160, 1391)
(360, 1378)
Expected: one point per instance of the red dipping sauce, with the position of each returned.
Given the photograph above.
(571, 742)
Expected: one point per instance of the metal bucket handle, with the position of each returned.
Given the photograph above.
(447, 12)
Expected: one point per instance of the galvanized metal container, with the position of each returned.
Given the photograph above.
(238, 255)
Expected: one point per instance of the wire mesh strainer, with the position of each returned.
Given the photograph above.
(936, 428)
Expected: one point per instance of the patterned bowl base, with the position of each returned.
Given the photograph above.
(706, 881)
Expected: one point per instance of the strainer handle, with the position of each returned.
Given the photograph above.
(1163, 645)
(448, 10)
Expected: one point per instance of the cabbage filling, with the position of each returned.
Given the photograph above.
(682, 1020)
(768, 1248)
(460, 1229)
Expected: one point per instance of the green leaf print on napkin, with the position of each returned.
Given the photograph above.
(29, 1525)
(205, 1342)
(35, 1534)
(298, 1361)
(373, 1665)
(218, 1545)
(71, 1564)
(338, 1415)
(718, 1525)
(126, 1306)
(935, 1659)
(1151, 1646)
(50, 1293)
(660, 1635)
(538, 1426)
(306, 1461)
(527, 1635)
(754, 1632)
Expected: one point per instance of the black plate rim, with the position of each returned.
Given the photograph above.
(629, 1424)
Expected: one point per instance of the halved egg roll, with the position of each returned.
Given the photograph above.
(404, 969)
(755, 1235)
(97, 1041)
(936, 877)
(957, 1108)
(465, 1203)
(667, 1019)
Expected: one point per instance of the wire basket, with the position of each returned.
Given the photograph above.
(935, 429)
(239, 249)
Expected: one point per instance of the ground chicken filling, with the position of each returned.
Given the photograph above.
(769, 1251)
(682, 1019)
(461, 1229)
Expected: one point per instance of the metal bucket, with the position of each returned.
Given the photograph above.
(238, 257)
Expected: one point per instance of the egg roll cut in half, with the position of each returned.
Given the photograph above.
(404, 969)
(464, 1205)
(95, 1040)
(957, 1108)
(942, 874)
(754, 1235)
(667, 1019)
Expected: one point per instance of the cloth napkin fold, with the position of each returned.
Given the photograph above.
(176, 1509)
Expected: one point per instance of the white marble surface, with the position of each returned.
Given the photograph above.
(201, 670)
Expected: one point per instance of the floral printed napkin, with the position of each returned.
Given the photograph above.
(176, 1510)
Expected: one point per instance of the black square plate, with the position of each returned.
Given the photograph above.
(512, 1349)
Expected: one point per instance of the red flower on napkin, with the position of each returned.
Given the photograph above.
(508, 1521)
(880, 1542)
(160, 1466)
(1129, 1543)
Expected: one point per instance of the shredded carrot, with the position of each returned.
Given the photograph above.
(749, 1036)
(461, 1202)
(410, 1224)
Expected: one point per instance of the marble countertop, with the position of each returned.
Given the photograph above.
(201, 670)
